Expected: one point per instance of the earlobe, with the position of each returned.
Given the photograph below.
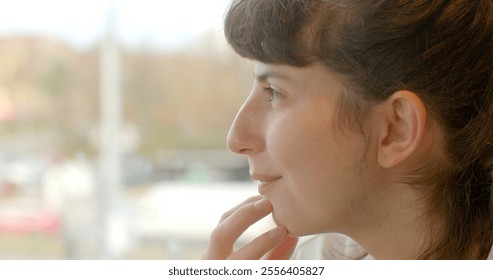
(401, 129)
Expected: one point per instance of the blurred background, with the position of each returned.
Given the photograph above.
(113, 120)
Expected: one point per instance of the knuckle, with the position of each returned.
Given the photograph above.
(225, 215)
(217, 235)
(245, 209)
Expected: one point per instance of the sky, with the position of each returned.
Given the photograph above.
(159, 23)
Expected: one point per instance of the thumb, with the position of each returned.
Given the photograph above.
(284, 250)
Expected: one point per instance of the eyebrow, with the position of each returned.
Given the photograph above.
(269, 73)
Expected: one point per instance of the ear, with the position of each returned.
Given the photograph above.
(403, 119)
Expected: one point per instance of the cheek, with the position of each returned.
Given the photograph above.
(293, 132)
(305, 158)
(321, 175)
(302, 146)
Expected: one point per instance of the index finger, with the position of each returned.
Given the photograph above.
(228, 231)
(232, 210)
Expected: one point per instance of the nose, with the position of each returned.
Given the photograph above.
(246, 133)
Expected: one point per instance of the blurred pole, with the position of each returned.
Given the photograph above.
(110, 175)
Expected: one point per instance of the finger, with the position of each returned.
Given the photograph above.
(284, 250)
(220, 247)
(240, 220)
(232, 210)
(226, 233)
(261, 245)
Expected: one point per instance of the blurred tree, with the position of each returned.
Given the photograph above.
(184, 99)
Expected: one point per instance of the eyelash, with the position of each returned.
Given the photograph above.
(274, 94)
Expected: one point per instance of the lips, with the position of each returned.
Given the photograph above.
(264, 181)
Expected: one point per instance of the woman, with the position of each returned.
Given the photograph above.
(369, 123)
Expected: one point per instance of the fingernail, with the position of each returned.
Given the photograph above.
(278, 232)
(261, 204)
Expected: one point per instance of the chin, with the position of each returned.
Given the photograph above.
(292, 228)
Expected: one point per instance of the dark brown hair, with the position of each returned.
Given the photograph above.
(440, 49)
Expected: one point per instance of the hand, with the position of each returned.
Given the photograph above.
(234, 222)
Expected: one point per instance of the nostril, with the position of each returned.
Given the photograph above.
(244, 151)
(237, 147)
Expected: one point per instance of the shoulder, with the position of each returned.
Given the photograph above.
(329, 246)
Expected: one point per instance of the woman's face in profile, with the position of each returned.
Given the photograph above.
(307, 167)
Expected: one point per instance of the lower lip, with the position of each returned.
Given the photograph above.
(262, 186)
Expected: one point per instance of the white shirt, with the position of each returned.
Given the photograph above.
(332, 246)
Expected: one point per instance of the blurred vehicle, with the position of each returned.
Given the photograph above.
(26, 216)
(23, 169)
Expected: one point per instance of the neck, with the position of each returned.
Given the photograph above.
(396, 227)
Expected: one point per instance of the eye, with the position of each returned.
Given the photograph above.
(274, 95)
